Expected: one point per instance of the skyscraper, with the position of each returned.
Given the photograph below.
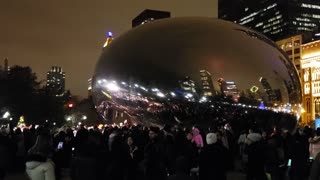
(291, 46)
(56, 81)
(149, 15)
(277, 19)
(267, 89)
(206, 83)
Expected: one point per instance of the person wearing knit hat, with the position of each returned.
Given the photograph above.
(211, 138)
(256, 157)
(214, 160)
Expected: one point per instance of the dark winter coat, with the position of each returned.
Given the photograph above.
(256, 161)
(213, 162)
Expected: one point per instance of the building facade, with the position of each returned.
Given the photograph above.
(310, 71)
(149, 15)
(56, 81)
(292, 47)
(277, 19)
(206, 83)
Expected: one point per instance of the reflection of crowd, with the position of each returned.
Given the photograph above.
(203, 114)
(172, 152)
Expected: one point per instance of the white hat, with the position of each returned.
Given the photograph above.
(211, 138)
(254, 137)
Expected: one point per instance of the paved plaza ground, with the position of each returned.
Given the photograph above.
(21, 176)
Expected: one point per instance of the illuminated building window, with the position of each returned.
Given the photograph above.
(266, 30)
(317, 105)
(277, 31)
(249, 16)
(306, 89)
(289, 45)
(316, 87)
(304, 29)
(316, 74)
(311, 6)
(306, 75)
(303, 19)
(259, 24)
(247, 21)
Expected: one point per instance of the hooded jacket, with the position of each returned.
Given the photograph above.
(40, 170)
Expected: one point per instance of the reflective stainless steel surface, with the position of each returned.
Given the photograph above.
(156, 72)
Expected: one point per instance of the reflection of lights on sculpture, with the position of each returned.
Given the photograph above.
(188, 95)
(173, 94)
(99, 81)
(84, 117)
(143, 88)
(164, 84)
(106, 94)
(203, 99)
(254, 89)
(154, 89)
(160, 94)
(6, 115)
(112, 86)
(69, 118)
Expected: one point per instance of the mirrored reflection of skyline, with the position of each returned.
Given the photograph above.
(194, 59)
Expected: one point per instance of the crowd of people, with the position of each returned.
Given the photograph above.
(153, 153)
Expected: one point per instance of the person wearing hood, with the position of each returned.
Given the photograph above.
(214, 160)
(197, 138)
(38, 164)
(256, 160)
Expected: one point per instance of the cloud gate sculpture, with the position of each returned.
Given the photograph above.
(182, 70)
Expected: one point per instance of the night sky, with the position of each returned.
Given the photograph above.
(70, 33)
